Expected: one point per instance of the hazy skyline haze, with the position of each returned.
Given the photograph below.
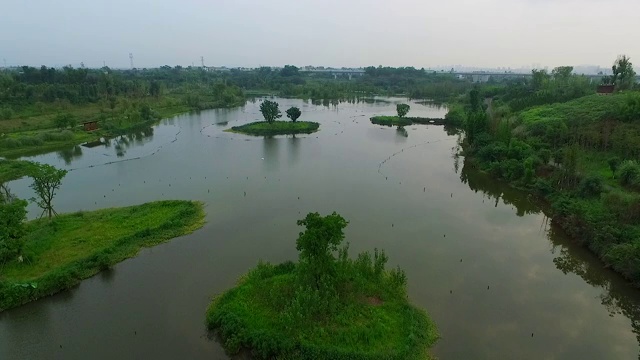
(487, 33)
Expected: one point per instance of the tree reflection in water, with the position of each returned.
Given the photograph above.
(617, 296)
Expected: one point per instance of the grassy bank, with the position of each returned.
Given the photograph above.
(581, 157)
(33, 129)
(72, 247)
(263, 128)
(405, 121)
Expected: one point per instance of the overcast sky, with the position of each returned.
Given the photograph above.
(420, 33)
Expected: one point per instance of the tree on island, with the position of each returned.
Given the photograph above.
(316, 246)
(270, 111)
(294, 113)
(402, 109)
(46, 181)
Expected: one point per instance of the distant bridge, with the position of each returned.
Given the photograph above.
(336, 72)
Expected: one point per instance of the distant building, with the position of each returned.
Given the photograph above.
(606, 89)
(90, 125)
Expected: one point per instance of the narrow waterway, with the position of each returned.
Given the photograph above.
(482, 259)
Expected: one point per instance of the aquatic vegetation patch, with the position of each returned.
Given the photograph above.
(263, 128)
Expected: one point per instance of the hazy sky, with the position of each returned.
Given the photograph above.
(419, 33)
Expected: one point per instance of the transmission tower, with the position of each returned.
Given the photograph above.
(131, 59)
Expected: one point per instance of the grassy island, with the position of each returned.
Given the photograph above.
(405, 121)
(71, 247)
(264, 128)
(325, 306)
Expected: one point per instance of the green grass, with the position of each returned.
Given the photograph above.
(14, 169)
(264, 313)
(586, 109)
(72, 247)
(263, 128)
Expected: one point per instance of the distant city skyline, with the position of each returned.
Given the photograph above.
(245, 33)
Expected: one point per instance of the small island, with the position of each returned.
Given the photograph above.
(403, 120)
(55, 252)
(325, 306)
(270, 126)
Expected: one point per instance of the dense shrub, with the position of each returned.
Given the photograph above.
(590, 186)
(629, 173)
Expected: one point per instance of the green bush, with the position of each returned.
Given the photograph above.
(6, 113)
(629, 173)
(591, 186)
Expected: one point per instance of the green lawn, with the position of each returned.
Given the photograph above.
(72, 247)
(263, 128)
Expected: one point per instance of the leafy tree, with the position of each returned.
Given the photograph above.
(562, 73)
(629, 173)
(270, 111)
(474, 100)
(46, 181)
(12, 216)
(590, 186)
(155, 88)
(402, 109)
(317, 244)
(289, 70)
(613, 162)
(63, 121)
(539, 78)
(294, 113)
(145, 112)
(623, 74)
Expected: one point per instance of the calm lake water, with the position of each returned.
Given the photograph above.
(480, 257)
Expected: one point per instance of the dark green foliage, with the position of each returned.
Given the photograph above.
(6, 113)
(455, 116)
(12, 216)
(63, 121)
(613, 162)
(475, 124)
(402, 110)
(327, 306)
(629, 173)
(590, 186)
(293, 113)
(263, 128)
(270, 111)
